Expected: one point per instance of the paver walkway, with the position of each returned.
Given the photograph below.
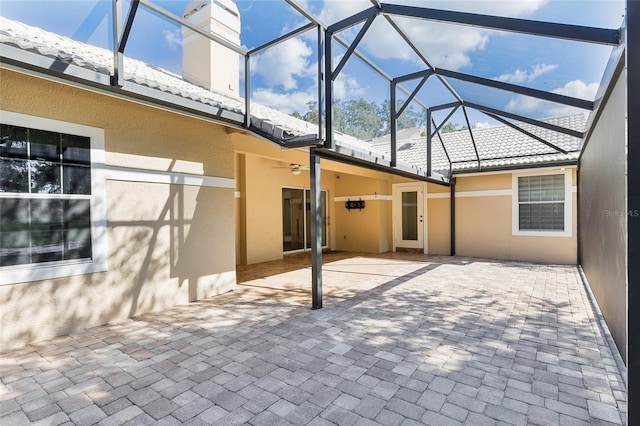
(402, 340)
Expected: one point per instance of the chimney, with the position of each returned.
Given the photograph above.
(205, 62)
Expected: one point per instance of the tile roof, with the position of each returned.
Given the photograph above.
(497, 146)
(100, 60)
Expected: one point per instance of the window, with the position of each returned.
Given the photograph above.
(51, 199)
(542, 204)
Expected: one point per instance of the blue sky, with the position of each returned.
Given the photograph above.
(284, 76)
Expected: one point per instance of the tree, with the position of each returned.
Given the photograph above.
(311, 115)
(408, 119)
(364, 120)
(452, 127)
(312, 112)
(361, 119)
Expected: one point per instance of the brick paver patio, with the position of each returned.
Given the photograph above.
(402, 339)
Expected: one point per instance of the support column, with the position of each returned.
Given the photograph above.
(328, 90)
(120, 38)
(117, 78)
(321, 82)
(633, 208)
(393, 121)
(452, 188)
(316, 230)
(429, 139)
(247, 91)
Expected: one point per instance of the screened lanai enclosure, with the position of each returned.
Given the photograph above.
(561, 89)
(422, 81)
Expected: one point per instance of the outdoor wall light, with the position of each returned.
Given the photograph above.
(356, 204)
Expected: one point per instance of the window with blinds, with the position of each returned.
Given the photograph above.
(541, 202)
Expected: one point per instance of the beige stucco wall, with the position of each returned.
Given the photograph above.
(369, 229)
(483, 182)
(483, 210)
(484, 225)
(438, 220)
(167, 244)
(262, 172)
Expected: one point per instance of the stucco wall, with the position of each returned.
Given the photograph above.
(439, 219)
(483, 210)
(483, 216)
(262, 173)
(167, 243)
(366, 230)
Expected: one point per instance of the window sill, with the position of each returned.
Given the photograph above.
(555, 234)
(27, 273)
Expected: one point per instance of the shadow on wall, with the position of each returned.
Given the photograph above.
(203, 247)
(179, 248)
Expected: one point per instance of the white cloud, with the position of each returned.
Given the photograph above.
(579, 89)
(447, 46)
(481, 125)
(522, 104)
(511, 9)
(282, 64)
(575, 88)
(173, 38)
(345, 87)
(336, 10)
(521, 76)
(284, 102)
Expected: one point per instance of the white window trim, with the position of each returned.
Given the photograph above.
(568, 205)
(35, 272)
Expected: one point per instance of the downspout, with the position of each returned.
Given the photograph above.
(452, 200)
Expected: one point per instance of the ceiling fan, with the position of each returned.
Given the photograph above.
(294, 168)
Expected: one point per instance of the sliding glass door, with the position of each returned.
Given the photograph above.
(296, 219)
